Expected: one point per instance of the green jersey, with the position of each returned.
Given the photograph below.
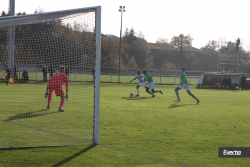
(184, 78)
(148, 78)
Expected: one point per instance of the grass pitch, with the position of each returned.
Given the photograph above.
(145, 131)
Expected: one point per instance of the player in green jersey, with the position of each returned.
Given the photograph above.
(184, 84)
(151, 84)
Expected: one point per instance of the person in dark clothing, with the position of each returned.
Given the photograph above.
(67, 71)
(15, 73)
(8, 72)
(243, 82)
(223, 82)
(25, 76)
(44, 74)
(229, 82)
(51, 71)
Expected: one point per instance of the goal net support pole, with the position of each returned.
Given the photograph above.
(97, 77)
(11, 39)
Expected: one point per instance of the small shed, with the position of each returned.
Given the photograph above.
(219, 80)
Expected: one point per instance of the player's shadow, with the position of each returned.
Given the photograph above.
(175, 105)
(29, 115)
(73, 156)
(136, 98)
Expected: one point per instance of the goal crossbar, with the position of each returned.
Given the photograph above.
(41, 17)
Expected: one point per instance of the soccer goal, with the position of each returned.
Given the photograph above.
(32, 48)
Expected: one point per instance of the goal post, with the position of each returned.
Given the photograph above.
(42, 43)
(97, 77)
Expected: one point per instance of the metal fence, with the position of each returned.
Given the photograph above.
(110, 74)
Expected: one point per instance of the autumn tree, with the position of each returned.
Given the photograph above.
(132, 63)
(140, 50)
(129, 36)
(163, 54)
(163, 44)
(140, 35)
(168, 66)
(39, 10)
(181, 41)
(209, 55)
(110, 53)
(4, 14)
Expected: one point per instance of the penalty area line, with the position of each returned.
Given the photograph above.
(143, 156)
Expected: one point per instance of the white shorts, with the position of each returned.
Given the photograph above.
(185, 86)
(142, 84)
(151, 85)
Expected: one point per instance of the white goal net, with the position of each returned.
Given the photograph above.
(32, 48)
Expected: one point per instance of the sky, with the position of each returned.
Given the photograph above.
(203, 20)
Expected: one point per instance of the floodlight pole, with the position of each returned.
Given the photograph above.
(181, 56)
(235, 61)
(11, 39)
(237, 53)
(122, 9)
(181, 51)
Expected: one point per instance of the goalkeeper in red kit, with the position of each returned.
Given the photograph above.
(56, 83)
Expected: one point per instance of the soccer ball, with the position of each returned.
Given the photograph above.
(131, 94)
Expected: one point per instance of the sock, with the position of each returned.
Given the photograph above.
(137, 91)
(62, 102)
(156, 91)
(194, 96)
(49, 98)
(177, 94)
(149, 92)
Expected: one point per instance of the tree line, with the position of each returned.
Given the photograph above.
(168, 55)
